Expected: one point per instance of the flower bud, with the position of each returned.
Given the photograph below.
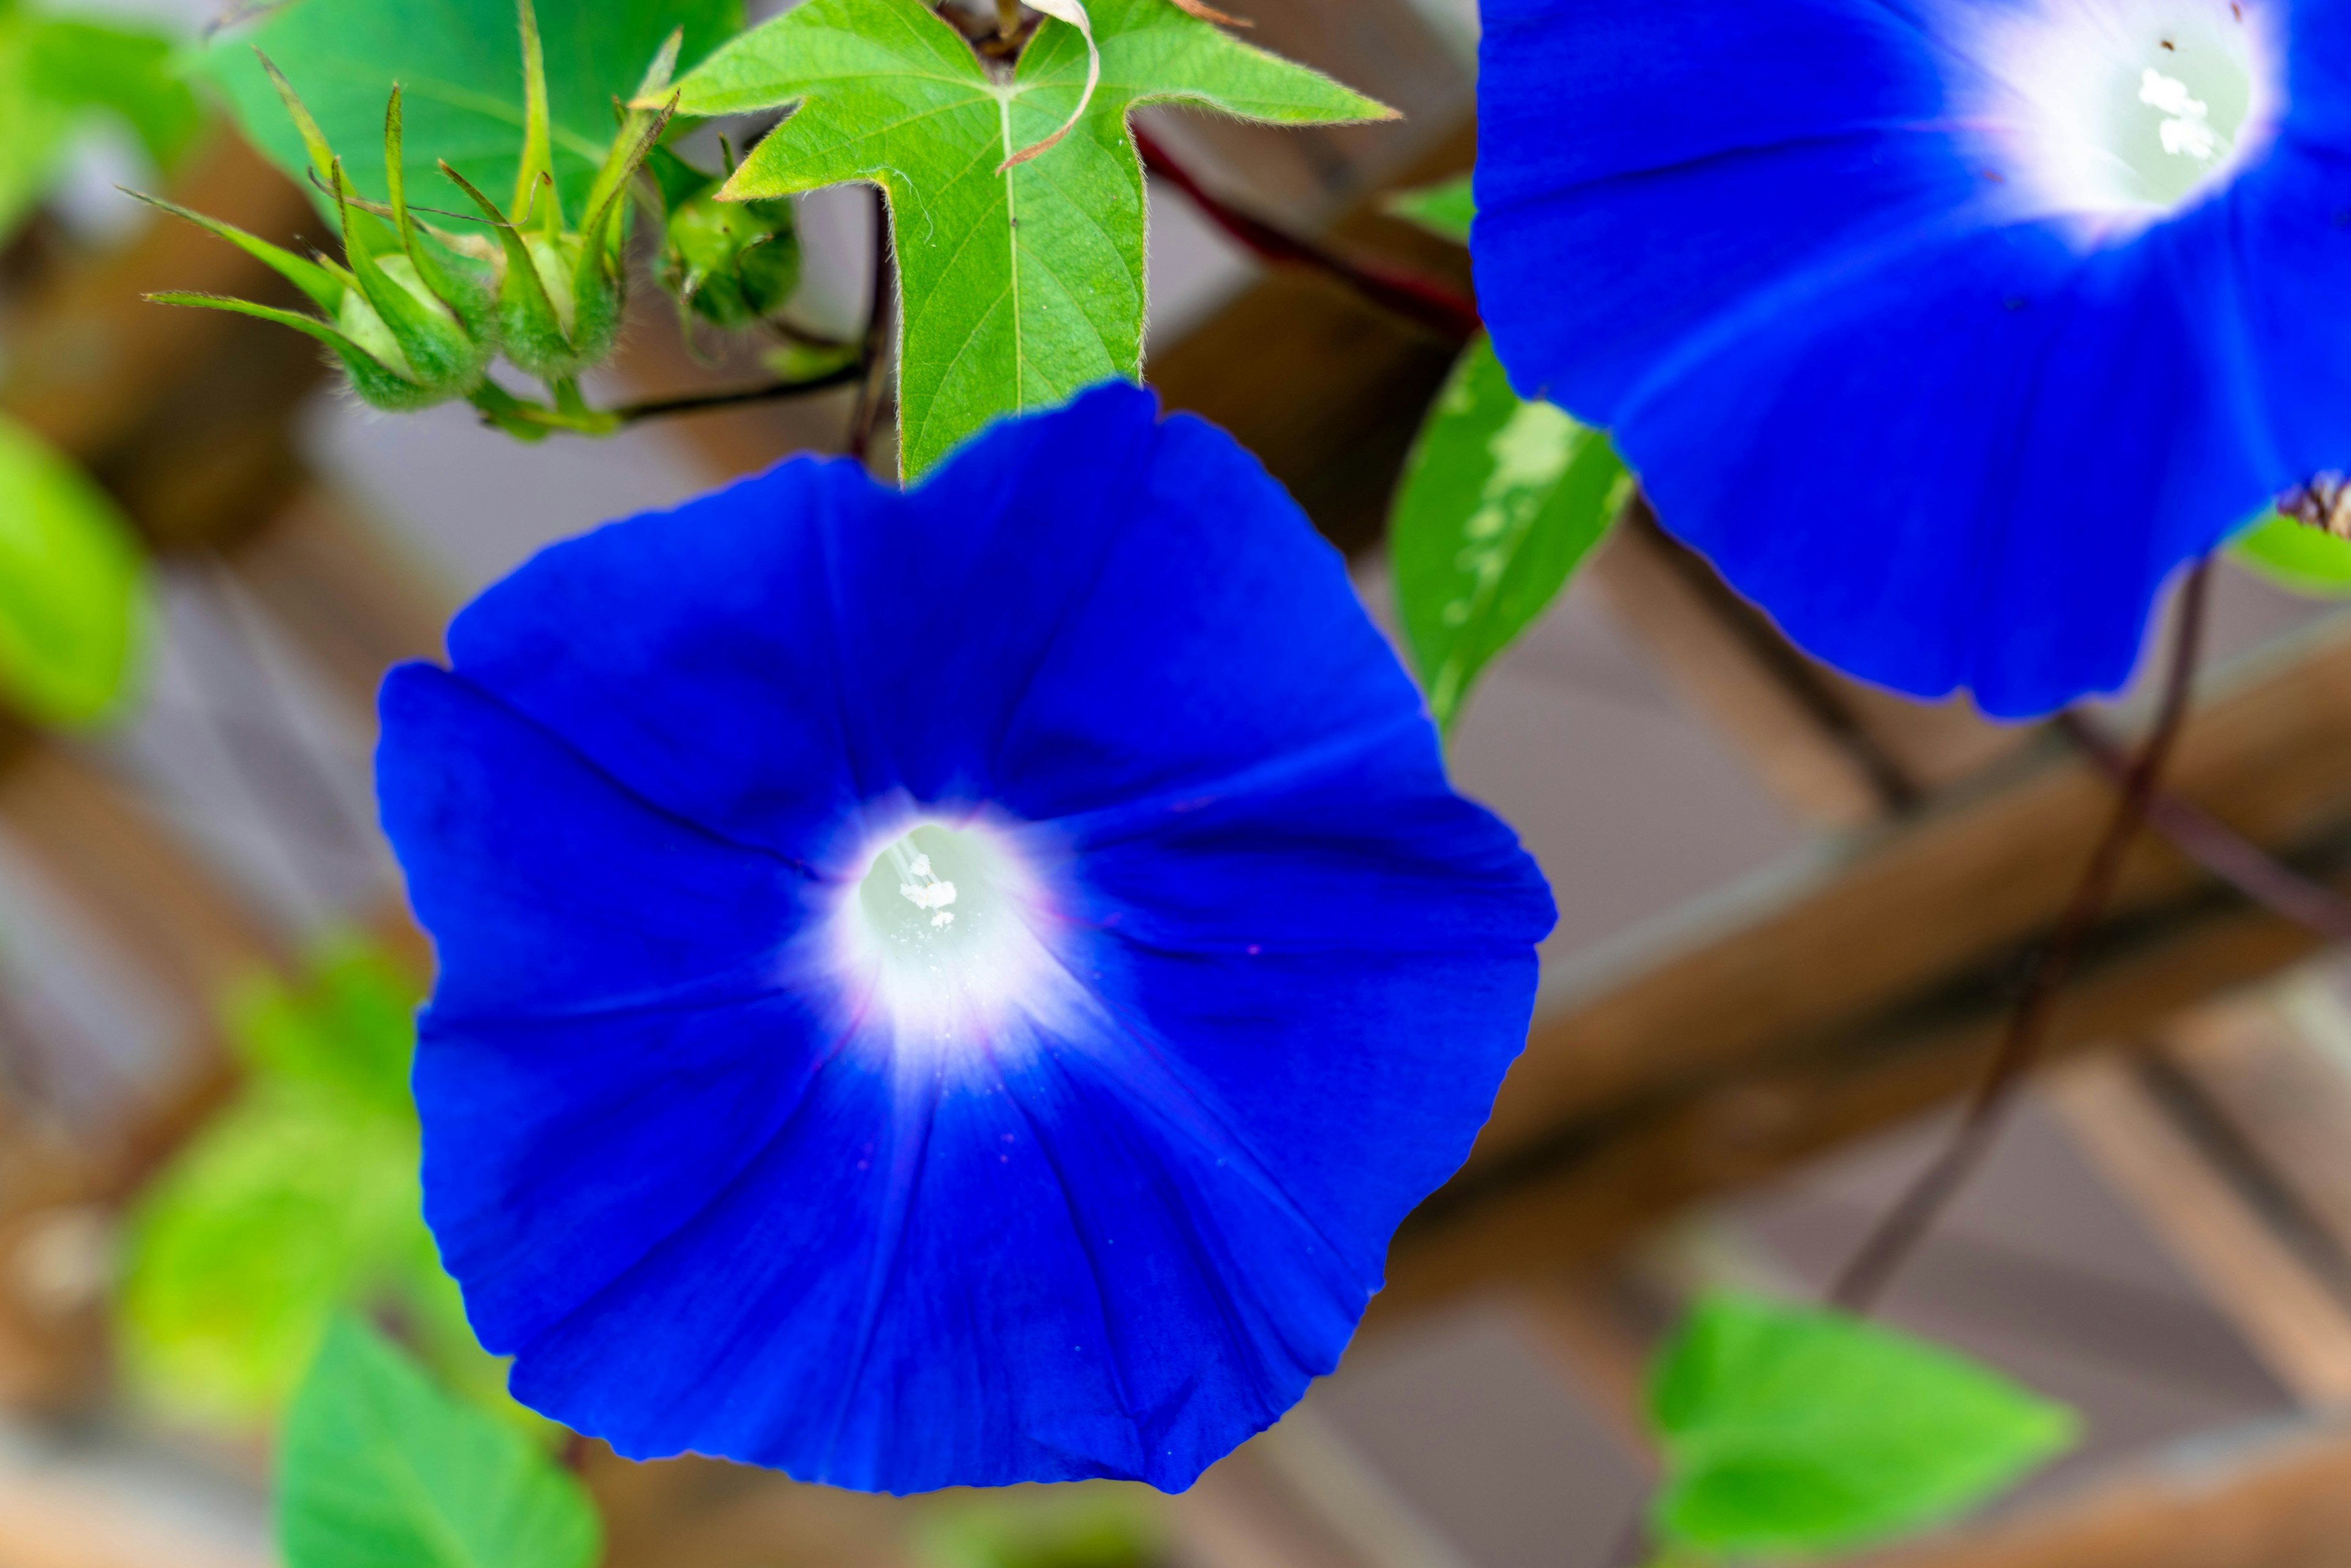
(733, 263)
(408, 319)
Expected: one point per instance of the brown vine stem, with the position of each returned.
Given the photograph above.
(2219, 848)
(873, 354)
(1441, 309)
(703, 402)
(1903, 1227)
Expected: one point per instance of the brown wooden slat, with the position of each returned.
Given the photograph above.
(2245, 1261)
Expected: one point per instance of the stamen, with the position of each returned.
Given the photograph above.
(2188, 132)
(2113, 113)
(921, 886)
(940, 938)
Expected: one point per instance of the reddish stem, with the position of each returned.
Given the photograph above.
(1418, 298)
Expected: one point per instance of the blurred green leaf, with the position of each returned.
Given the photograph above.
(351, 1029)
(73, 586)
(1022, 281)
(379, 1468)
(1500, 499)
(2295, 555)
(298, 1201)
(1094, 1526)
(126, 71)
(460, 70)
(34, 125)
(1443, 209)
(54, 69)
(1793, 1430)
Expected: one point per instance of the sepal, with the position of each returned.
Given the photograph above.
(409, 324)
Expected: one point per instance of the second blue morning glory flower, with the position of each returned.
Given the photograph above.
(1947, 328)
(947, 988)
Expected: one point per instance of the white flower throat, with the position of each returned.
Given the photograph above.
(2119, 110)
(930, 890)
(941, 934)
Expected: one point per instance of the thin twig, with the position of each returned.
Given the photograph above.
(1442, 309)
(875, 351)
(2220, 849)
(700, 402)
(1899, 1232)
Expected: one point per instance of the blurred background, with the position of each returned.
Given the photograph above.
(1792, 911)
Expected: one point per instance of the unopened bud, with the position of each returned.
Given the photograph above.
(734, 264)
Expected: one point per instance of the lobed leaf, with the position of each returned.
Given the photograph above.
(1020, 282)
(379, 1468)
(1795, 1430)
(459, 65)
(73, 587)
(1500, 500)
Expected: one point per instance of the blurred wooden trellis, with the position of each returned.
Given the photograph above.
(1849, 996)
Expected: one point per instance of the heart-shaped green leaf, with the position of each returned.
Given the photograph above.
(1794, 1430)
(379, 1468)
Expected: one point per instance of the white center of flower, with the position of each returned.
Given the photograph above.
(921, 883)
(940, 937)
(2119, 110)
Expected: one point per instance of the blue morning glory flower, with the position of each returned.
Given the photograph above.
(944, 988)
(1945, 328)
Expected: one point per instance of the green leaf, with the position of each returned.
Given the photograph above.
(290, 1206)
(1793, 1430)
(33, 124)
(1500, 499)
(1443, 209)
(2296, 555)
(54, 70)
(459, 64)
(1020, 284)
(73, 587)
(379, 1468)
(1108, 1526)
(352, 1029)
(301, 1200)
(125, 71)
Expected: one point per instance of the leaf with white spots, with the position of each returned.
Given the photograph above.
(1500, 500)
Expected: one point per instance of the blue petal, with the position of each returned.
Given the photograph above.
(2279, 253)
(679, 1171)
(558, 891)
(1942, 453)
(1644, 168)
(1992, 506)
(1049, 1274)
(896, 643)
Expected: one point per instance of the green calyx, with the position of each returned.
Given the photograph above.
(408, 316)
(415, 314)
(732, 263)
(561, 292)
